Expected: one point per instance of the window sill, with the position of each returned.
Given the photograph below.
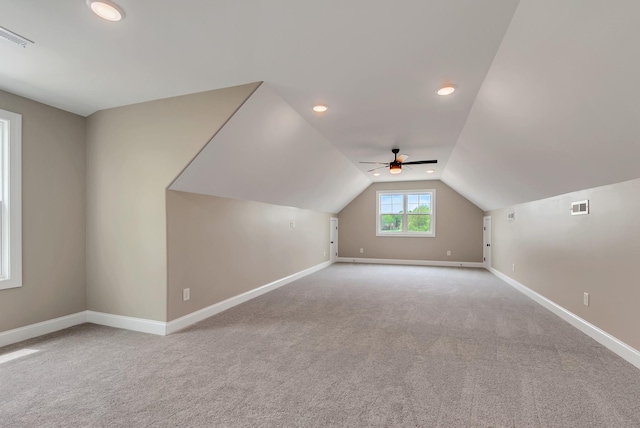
(407, 235)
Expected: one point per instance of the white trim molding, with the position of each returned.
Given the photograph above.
(194, 317)
(614, 344)
(128, 323)
(410, 262)
(38, 329)
(10, 200)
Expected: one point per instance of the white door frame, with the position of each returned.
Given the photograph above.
(333, 240)
(486, 241)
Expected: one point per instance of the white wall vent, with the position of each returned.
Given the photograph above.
(511, 216)
(580, 207)
(14, 38)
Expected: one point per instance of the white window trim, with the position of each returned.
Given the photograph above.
(11, 197)
(405, 193)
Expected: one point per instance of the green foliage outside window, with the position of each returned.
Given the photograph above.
(391, 223)
(419, 219)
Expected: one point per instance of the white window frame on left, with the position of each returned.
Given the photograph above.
(10, 200)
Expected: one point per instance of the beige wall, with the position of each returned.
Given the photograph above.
(458, 227)
(53, 216)
(133, 154)
(562, 256)
(220, 248)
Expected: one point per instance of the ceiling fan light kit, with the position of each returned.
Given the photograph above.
(395, 167)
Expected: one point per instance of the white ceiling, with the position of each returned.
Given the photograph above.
(327, 184)
(533, 116)
(559, 109)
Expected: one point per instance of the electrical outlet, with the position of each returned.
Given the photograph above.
(585, 299)
(448, 252)
(324, 253)
(513, 267)
(292, 224)
(186, 294)
(361, 250)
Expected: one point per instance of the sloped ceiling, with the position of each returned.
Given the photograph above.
(559, 109)
(268, 153)
(546, 100)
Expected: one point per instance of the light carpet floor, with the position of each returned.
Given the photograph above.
(349, 346)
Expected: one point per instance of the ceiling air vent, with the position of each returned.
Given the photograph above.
(511, 216)
(580, 207)
(14, 38)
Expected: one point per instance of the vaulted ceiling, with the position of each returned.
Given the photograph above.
(546, 98)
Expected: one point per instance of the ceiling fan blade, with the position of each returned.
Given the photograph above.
(378, 163)
(420, 162)
(380, 167)
(402, 158)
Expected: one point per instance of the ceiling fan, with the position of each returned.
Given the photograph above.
(395, 166)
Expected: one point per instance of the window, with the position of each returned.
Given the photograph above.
(406, 213)
(10, 200)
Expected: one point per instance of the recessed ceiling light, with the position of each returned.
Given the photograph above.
(375, 174)
(431, 171)
(320, 108)
(106, 9)
(446, 90)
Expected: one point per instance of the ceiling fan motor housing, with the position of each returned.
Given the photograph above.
(395, 167)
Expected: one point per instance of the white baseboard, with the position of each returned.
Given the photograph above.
(144, 325)
(34, 330)
(194, 317)
(625, 351)
(128, 323)
(410, 262)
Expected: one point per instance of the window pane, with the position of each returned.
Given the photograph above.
(391, 223)
(391, 209)
(419, 203)
(418, 208)
(419, 223)
(391, 203)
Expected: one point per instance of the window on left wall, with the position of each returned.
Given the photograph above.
(10, 199)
